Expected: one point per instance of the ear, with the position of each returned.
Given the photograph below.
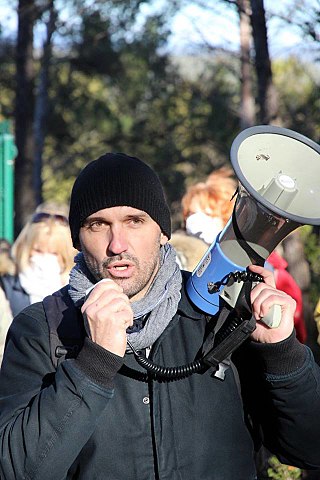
(163, 239)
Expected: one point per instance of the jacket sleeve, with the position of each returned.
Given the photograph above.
(40, 408)
(281, 389)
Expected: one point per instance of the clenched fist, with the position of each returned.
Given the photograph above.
(108, 314)
(263, 297)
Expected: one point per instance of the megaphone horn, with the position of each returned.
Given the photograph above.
(279, 190)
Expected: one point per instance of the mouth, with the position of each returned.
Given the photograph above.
(122, 269)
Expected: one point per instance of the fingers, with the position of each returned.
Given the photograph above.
(99, 288)
(106, 292)
(263, 297)
(266, 274)
(110, 308)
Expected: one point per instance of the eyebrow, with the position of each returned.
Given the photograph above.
(93, 219)
(99, 218)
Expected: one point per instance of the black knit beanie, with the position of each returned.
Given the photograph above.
(116, 179)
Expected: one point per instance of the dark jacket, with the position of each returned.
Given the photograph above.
(86, 421)
(17, 297)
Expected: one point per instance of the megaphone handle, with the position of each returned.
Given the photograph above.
(273, 317)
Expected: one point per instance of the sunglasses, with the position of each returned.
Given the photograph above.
(42, 216)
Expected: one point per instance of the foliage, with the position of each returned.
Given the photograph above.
(312, 252)
(7, 51)
(139, 102)
(298, 82)
(114, 86)
(280, 471)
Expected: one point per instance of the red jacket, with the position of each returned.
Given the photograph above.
(286, 283)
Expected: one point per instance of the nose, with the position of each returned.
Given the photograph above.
(117, 241)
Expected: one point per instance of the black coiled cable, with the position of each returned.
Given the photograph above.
(170, 373)
(244, 276)
(183, 371)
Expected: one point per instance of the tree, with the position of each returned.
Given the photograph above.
(248, 111)
(41, 104)
(267, 95)
(24, 192)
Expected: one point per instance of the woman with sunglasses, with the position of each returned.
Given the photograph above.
(43, 254)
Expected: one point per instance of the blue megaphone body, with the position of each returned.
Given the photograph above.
(213, 269)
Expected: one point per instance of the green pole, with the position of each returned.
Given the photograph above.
(8, 152)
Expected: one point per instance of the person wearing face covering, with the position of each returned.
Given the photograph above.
(43, 255)
(206, 208)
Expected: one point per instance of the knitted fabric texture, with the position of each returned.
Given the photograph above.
(116, 179)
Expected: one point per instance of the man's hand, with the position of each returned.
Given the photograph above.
(109, 314)
(263, 296)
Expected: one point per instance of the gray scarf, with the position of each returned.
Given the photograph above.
(159, 304)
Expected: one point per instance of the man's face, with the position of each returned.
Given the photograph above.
(123, 244)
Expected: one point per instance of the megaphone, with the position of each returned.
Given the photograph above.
(279, 190)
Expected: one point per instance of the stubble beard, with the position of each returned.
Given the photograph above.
(144, 272)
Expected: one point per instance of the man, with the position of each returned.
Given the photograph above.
(97, 416)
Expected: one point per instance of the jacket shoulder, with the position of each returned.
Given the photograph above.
(65, 323)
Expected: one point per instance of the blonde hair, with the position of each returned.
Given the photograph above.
(7, 265)
(45, 232)
(212, 197)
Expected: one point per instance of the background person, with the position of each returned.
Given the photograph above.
(7, 267)
(98, 415)
(189, 249)
(285, 281)
(43, 254)
(207, 206)
(5, 321)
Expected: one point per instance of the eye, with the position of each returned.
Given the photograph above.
(96, 226)
(136, 221)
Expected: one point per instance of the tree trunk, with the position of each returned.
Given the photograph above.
(247, 112)
(267, 95)
(41, 106)
(24, 191)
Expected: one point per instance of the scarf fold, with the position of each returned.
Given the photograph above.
(158, 306)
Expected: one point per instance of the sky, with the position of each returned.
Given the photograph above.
(219, 27)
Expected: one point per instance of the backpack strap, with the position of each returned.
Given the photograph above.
(66, 327)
